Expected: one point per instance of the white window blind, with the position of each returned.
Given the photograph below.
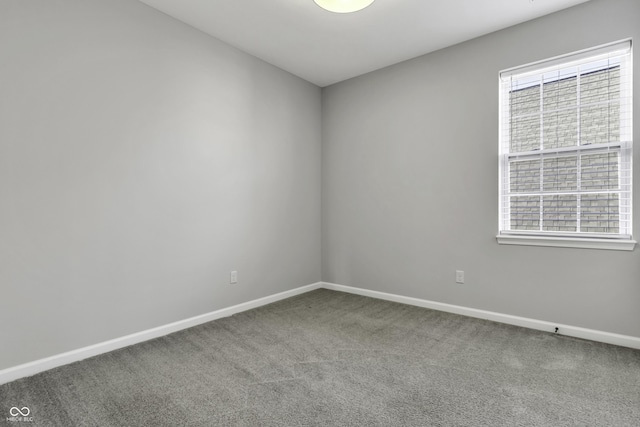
(566, 146)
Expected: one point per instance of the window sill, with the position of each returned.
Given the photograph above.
(567, 242)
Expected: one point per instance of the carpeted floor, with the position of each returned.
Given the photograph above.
(327, 358)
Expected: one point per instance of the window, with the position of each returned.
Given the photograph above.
(566, 151)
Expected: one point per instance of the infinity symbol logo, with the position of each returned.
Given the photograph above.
(15, 411)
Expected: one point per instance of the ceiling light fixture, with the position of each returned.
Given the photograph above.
(343, 6)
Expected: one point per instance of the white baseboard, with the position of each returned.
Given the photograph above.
(567, 330)
(32, 368)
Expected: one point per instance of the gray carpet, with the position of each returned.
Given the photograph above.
(327, 358)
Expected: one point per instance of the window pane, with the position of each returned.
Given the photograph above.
(599, 98)
(524, 108)
(525, 213)
(560, 173)
(525, 99)
(599, 86)
(600, 213)
(525, 134)
(599, 124)
(560, 93)
(524, 176)
(599, 171)
(560, 129)
(560, 212)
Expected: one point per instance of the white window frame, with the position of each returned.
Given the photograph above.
(622, 241)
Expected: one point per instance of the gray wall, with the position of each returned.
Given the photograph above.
(140, 162)
(410, 182)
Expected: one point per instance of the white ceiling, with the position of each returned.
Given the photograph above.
(324, 47)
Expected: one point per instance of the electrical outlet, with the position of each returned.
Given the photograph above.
(233, 277)
(459, 276)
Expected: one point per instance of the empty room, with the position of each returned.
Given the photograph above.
(319, 213)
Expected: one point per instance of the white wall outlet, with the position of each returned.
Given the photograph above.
(233, 279)
(459, 276)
